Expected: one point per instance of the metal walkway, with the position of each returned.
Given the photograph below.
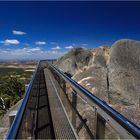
(37, 122)
(59, 116)
(57, 107)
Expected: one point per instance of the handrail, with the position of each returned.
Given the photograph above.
(16, 123)
(124, 122)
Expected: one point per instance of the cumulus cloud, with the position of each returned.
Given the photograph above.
(40, 43)
(56, 48)
(28, 50)
(18, 32)
(29, 53)
(69, 47)
(35, 49)
(10, 42)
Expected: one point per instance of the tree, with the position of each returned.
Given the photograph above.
(11, 89)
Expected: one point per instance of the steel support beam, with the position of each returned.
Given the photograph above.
(74, 104)
(100, 127)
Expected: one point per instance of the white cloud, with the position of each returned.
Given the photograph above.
(29, 53)
(35, 49)
(69, 47)
(40, 43)
(56, 48)
(29, 50)
(10, 42)
(18, 32)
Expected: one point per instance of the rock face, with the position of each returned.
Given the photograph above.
(94, 79)
(124, 72)
(111, 73)
(88, 67)
(100, 56)
(75, 60)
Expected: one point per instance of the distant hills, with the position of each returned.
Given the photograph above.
(17, 61)
(110, 72)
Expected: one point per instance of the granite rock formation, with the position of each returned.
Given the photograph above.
(124, 72)
(75, 60)
(89, 68)
(111, 73)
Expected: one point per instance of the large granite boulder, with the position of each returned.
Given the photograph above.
(110, 73)
(74, 60)
(89, 68)
(124, 72)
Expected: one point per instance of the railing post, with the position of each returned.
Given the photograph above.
(74, 104)
(64, 86)
(12, 117)
(100, 127)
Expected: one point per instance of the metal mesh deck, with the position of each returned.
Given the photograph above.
(36, 122)
(61, 123)
(44, 116)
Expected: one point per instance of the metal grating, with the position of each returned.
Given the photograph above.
(36, 122)
(62, 126)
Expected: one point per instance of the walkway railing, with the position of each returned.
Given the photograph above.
(91, 117)
(18, 118)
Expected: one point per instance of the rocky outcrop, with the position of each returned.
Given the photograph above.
(100, 56)
(89, 68)
(75, 60)
(111, 73)
(94, 77)
(124, 72)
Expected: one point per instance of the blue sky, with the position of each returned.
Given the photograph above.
(41, 30)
